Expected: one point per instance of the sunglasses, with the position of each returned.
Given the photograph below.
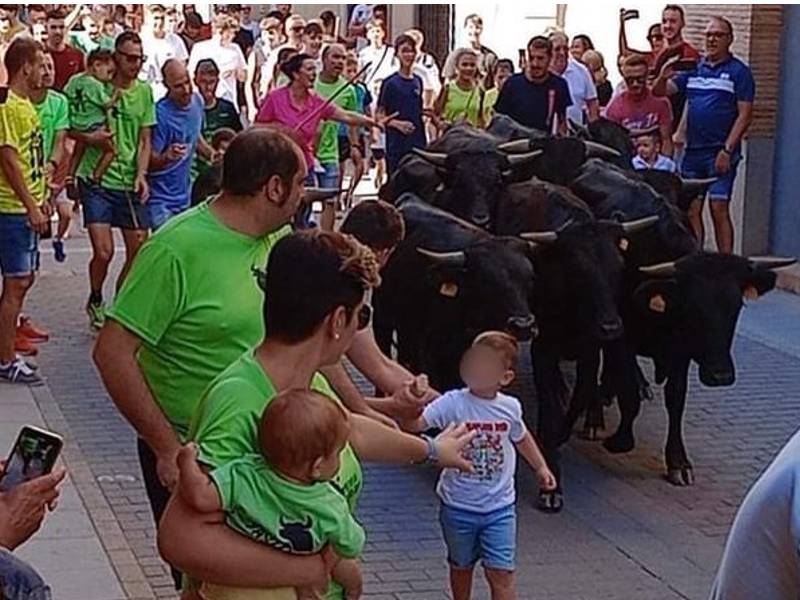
(630, 80)
(656, 37)
(364, 316)
(132, 57)
(298, 29)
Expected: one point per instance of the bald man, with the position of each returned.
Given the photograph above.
(176, 138)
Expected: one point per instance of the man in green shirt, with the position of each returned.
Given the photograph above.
(119, 198)
(330, 80)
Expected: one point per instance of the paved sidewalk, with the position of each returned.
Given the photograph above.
(67, 551)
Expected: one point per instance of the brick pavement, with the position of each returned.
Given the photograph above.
(624, 534)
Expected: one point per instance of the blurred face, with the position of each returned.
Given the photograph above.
(171, 22)
(313, 43)
(501, 75)
(718, 40)
(129, 58)
(158, 21)
(295, 30)
(327, 467)
(334, 60)
(467, 67)
(92, 28)
(578, 48)
(656, 39)
(39, 33)
(483, 369)
(560, 54)
(103, 70)
(48, 71)
(272, 35)
(538, 63)
(646, 147)
(222, 147)
(671, 25)
(226, 35)
(375, 35)
(635, 80)
(55, 32)
(38, 17)
(284, 8)
(34, 72)
(350, 70)
(473, 31)
(207, 85)
(307, 74)
(406, 54)
(179, 86)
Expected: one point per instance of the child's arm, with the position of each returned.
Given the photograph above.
(533, 456)
(195, 486)
(347, 573)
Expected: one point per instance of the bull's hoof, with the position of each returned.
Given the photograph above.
(619, 443)
(592, 432)
(680, 476)
(550, 502)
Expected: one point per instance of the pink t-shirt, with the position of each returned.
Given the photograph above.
(278, 107)
(649, 112)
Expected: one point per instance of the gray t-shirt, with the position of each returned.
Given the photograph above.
(492, 452)
(762, 556)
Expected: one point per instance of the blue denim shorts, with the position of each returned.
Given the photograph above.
(117, 208)
(489, 537)
(700, 164)
(19, 246)
(20, 580)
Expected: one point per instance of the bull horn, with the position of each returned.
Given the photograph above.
(597, 150)
(539, 237)
(639, 224)
(666, 269)
(515, 146)
(316, 194)
(576, 128)
(518, 160)
(771, 262)
(450, 259)
(436, 158)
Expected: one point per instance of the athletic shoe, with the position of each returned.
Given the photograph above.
(58, 251)
(27, 329)
(18, 371)
(25, 346)
(97, 314)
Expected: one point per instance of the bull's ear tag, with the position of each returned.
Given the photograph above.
(750, 293)
(658, 304)
(623, 244)
(449, 289)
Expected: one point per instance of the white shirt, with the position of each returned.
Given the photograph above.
(581, 88)
(383, 64)
(762, 555)
(229, 59)
(492, 452)
(425, 66)
(158, 52)
(663, 163)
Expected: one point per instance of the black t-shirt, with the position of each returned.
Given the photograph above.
(530, 103)
(604, 93)
(244, 39)
(224, 114)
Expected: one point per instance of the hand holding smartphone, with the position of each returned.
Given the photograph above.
(34, 454)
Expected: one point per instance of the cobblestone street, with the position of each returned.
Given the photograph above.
(624, 534)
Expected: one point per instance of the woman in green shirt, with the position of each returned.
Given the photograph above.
(461, 99)
(317, 283)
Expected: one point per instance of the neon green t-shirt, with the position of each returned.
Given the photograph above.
(489, 100)
(20, 129)
(133, 111)
(53, 114)
(195, 311)
(328, 145)
(89, 99)
(82, 41)
(462, 104)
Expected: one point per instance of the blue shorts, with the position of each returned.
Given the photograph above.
(330, 177)
(489, 537)
(699, 164)
(159, 213)
(19, 246)
(117, 208)
(20, 580)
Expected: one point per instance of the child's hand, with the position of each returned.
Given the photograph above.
(546, 479)
(348, 574)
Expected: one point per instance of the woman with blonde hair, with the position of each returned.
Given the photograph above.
(596, 65)
(462, 97)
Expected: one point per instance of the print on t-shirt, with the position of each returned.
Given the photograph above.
(485, 451)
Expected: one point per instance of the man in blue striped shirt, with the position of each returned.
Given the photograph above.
(719, 95)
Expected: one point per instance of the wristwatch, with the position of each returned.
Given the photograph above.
(432, 455)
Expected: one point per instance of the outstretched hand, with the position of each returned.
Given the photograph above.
(449, 445)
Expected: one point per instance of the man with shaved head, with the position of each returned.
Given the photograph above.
(176, 137)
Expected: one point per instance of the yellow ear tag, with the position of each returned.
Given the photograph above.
(658, 304)
(623, 244)
(750, 293)
(449, 289)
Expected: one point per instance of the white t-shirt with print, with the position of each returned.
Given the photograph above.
(499, 424)
(158, 52)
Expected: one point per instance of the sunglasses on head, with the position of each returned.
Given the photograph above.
(364, 316)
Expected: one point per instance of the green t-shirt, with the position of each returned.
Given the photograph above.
(296, 518)
(53, 114)
(21, 130)
(328, 146)
(133, 111)
(89, 100)
(462, 105)
(82, 41)
(195, 311)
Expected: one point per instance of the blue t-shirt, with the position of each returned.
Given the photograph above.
(534, 104)
(175, 125)
(363, 100)
(712, 92)
(403, 96)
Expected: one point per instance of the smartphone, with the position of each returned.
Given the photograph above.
(33, 455)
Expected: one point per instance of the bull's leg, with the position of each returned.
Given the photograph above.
(679, 469)
(622, 364)
(549, 387)
(584, 396)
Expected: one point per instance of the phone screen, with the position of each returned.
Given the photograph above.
(33, 455)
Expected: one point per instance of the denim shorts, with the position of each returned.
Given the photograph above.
(329, 178)
(19, 246)
(117, 208)
(700, 164)
(471, 536)
(19, 580)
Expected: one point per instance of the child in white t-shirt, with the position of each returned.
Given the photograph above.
(478, 515)
(648, 154)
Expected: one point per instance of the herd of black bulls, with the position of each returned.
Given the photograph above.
(559, 241)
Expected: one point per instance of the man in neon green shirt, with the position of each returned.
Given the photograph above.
(328, 82)
(24, 214)
(119, 198)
